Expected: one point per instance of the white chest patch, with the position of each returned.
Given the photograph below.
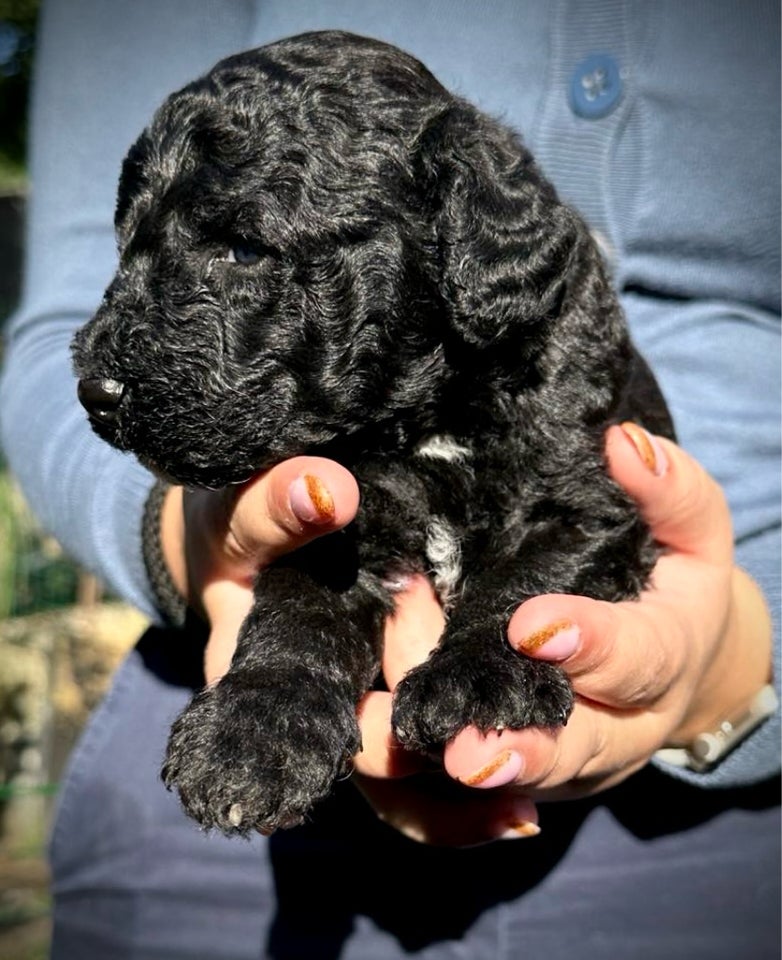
(444, 552)
(442, 446)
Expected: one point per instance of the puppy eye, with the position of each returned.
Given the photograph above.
(241, 251)
(244, 253)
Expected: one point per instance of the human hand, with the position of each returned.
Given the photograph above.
(693, 650)
(405, 790)
(215, 541)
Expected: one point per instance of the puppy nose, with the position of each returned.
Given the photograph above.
(101, 398)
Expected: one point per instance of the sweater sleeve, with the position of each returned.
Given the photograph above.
(718, 364)
(90, 102)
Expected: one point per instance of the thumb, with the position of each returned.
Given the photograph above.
(684, 507)
(273, 513)
(230, 534)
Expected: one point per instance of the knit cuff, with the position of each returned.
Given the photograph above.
(170, 603)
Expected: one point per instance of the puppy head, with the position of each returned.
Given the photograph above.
(308, 237)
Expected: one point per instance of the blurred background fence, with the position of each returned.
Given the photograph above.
(61, 636)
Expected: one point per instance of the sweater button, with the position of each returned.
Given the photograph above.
(595, 87)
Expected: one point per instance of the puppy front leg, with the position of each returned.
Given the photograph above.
(257, 750)
(474, 677)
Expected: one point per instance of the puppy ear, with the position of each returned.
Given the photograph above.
(507, 246)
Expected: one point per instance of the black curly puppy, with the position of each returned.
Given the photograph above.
(323, 251)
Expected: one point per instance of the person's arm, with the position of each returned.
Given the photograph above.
(101, 69)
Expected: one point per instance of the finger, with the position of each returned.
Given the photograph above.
(622, 655)
(291, 504)
(484, 760)
(280, 510)
(230, 534)
(426, 807)
(685, 508)
(630, 654)
(589, 754)
(431, 809)
(381, 754)
(410, 635)
(412, 631)
(226, 604)
(598, 748)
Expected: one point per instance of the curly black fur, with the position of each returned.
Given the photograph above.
(323, 251)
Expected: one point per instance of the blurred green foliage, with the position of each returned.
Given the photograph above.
(17, 46)
(34, 573)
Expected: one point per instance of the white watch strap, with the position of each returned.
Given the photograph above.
(707, 749)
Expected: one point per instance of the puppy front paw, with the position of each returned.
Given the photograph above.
(248, 756)
(495, 690)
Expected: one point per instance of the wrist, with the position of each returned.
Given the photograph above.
(733, 697)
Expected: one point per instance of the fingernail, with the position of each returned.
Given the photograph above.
(519, 828)
(647, 446)
(504, 768)
(310, 499)
(557, 641)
